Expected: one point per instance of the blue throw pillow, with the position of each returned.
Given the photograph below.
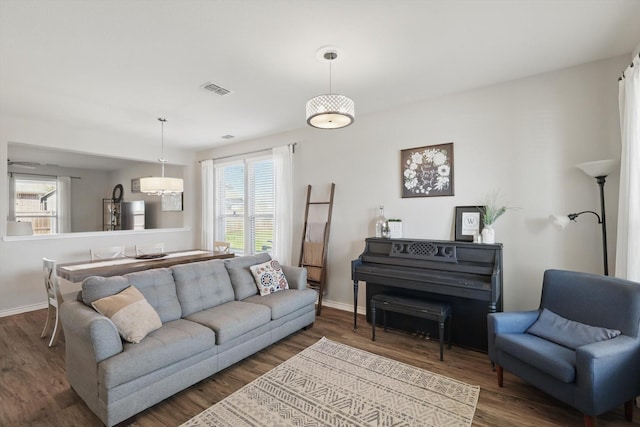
(568, 333)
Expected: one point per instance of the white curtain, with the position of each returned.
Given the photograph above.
(208, 199)
(628, 239)
(282, 172)
(63, 197)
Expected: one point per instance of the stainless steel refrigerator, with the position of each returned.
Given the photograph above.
(133, 215)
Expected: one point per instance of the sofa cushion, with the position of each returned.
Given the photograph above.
(269, 277)
(232, 319)
(95, 287)
(568, 333)
(173, 342)
(550, 358)
(130, 312)
(202, 285)
(159, 289)
(241, 278)
(285, 302)
(156, 285)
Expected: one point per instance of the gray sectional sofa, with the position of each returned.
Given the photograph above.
(212, 316)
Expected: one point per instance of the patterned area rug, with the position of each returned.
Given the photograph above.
(331, 384)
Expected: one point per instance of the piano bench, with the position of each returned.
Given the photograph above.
(430, 310)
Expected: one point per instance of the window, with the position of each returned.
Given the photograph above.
(245, 205)
(35, 201)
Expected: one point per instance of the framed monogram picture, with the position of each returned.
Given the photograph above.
(427, 171)
(469, 221)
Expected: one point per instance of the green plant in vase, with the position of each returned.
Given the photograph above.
(491, 211)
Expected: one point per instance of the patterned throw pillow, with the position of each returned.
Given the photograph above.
(132, 314)
(269, 277)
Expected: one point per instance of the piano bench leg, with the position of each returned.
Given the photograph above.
(384, 319)
(500, 373)
(373, 321)
(441, 339)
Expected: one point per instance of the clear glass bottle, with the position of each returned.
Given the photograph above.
(381, 222)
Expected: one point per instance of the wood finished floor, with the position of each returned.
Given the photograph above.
(34, 390)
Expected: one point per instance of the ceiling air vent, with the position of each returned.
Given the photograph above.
(215, 89)
(227, 137)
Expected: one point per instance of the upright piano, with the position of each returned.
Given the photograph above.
(466, 275)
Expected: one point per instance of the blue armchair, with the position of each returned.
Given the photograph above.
(567, 350)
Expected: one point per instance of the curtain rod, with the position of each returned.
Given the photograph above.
(631, 65)
(40, 174)
(293, 149)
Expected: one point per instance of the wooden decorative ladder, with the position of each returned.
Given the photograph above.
(315, 245)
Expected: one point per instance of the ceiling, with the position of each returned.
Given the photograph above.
(25, 158)
(116, 66)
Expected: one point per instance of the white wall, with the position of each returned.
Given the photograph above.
(88, 187)
(522, 138)
(21, 282)
(154, 216)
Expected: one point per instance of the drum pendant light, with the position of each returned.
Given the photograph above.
(330, 111)
(160, 185)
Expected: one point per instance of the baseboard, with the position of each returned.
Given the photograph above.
(342, 306)
(23, 309)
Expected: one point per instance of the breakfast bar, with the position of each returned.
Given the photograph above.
(78, 271)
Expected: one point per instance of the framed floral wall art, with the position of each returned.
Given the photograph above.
(427, 171)
(172, 202)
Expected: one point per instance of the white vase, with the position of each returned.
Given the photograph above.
(488, 234)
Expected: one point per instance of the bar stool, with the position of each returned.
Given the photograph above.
(223, 247)
(106, 253)
(54, 299)
(150, 249)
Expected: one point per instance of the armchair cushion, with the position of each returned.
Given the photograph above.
(552, 359)
(567, 332)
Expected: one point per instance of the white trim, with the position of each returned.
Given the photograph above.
(239, 158)
(92, 234)
(23, 309)
(344, 307)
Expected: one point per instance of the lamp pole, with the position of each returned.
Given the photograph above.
(599, 170)
(601, 180)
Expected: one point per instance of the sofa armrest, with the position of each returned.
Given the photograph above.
(89, 338)
(85, 329)
(296, 276)
(608, 371)
(512, 322)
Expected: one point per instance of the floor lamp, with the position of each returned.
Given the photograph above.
(599, 170)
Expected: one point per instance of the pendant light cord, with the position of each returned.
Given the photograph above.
(330, 56)
(162, 159)
(330, 89)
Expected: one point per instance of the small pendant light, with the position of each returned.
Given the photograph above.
(159, 185)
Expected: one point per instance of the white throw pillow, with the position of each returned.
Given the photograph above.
(132, 314)
(269, 277)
